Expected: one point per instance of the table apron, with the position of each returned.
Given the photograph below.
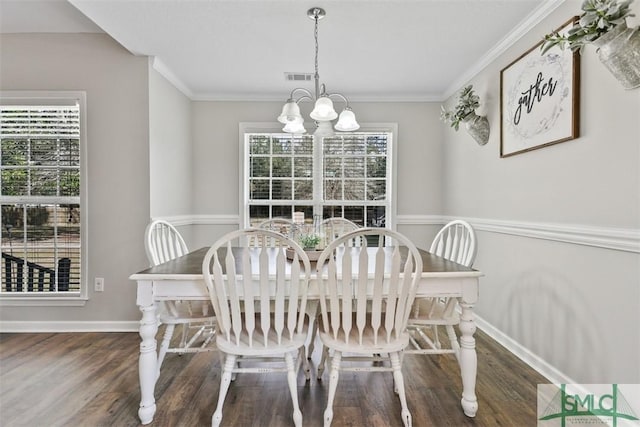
(159, 290)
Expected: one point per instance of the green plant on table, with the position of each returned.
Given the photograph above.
(309, 241)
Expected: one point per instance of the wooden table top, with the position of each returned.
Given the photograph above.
(190, 266)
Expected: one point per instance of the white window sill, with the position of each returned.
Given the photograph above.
(42, 301)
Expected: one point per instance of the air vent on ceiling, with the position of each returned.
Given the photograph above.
(298, 77)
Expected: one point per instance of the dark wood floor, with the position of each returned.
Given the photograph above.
(91, 379)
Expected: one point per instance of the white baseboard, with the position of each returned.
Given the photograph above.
(535, 362)
(67, 326)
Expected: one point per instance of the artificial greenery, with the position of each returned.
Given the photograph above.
(468, 101)
(598, 18)
(309, 241)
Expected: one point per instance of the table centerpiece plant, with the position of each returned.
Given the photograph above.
(465, 111)
(309, 241)
(603, 23)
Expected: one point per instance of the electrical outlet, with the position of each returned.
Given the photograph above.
(99, 284)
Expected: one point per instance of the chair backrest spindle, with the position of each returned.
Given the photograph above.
(163, 242)
(456, 241)
(366, 288)
(266, 295)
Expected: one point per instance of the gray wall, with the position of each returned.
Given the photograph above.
(576, 307)
(116, 84)
(170, 152)
(169, 148)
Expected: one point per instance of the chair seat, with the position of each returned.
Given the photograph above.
(368, 345)
(257, 346)
(431, 311)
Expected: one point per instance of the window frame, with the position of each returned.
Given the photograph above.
(67, 298)
(260, 127)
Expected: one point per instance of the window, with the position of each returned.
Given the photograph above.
(346, 175)
(40, 195)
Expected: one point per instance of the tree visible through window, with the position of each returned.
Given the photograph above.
(346, 175)
(40, 198)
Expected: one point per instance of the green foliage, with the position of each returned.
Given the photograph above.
(598, 18)
(70, 183)
(31, 168)
(309, 241)
(468, 101)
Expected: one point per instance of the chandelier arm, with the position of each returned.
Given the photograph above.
(339, 95)
(301, 89)
(304, 98)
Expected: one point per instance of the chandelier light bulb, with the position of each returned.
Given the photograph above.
(290, 112)
(323, 110)
(294, 127)
(347, 121)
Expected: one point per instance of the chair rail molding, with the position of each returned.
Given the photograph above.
(621, 239)
(180, 220)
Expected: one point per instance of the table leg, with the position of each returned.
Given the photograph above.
(147, 364)
(468, 360)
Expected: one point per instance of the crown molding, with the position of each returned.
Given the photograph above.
(533, 19)
(165, 72)
(256, 97)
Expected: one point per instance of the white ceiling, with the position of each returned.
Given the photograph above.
(402, 50)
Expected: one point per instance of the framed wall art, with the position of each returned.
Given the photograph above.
(540, 99)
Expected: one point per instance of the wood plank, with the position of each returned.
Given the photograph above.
(91, 379)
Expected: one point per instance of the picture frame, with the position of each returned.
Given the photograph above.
(540, 98)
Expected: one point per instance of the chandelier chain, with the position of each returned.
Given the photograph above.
(315, 35)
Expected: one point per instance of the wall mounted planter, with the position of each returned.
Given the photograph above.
(478, 127)
(619, 51)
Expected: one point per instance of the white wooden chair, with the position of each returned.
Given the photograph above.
(260, 315)
(283, 226)
(456, 241)
(365, 302)
(337, 226)
(164, 243)
(333, 228)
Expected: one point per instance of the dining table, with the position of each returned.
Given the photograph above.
(182, 279)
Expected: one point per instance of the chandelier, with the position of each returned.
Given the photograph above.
(323, 112)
